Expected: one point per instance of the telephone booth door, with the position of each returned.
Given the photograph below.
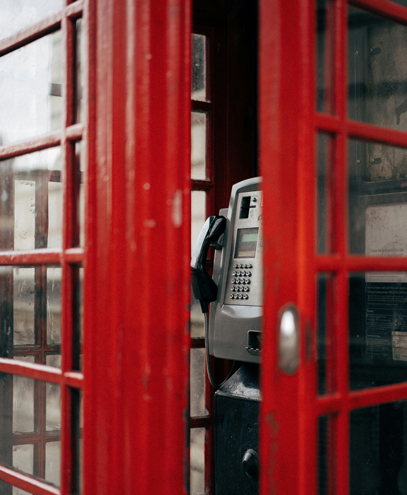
(333, 149)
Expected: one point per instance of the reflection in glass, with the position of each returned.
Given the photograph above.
(22, 400)
(53, 410)
(54, 276)
(31, 90)
(19, 14)
(24, 224)
(197, 382)
(77, 317)
(378, 438)
(198, 145)
(325, 55)
(197, 461)
(23, 458)
(77, 426)
(325, 194)
(30, 301)
(23, 404)
(326, 455)
(54, 213)
(377, 70)
(198, 217)
(198, 67)
(53, 360)
(377, 199)
(79, 221)
(326, 343)
(23, 306)
(31, 201)
(80, 72)
(377, 329)
(52, 462)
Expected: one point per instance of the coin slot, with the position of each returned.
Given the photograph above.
(244, 207)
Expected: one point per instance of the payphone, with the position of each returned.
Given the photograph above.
(235, 289)
(234, 331)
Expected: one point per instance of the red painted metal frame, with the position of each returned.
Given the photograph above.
(136, 348)
(286, 158)
(288, 125)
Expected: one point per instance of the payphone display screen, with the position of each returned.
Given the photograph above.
(246, 243)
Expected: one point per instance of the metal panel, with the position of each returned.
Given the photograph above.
(287, 431)
(137, 287)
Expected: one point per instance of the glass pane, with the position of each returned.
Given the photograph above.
(377, 201)
(325, 55)
(198, 67)
(23, 308)
(77, 425)
(23, 404)
(19, 14)
(378, 440)
(377, 329)
(31, 90)
(54, 276)
(24, 223)
(23, 458)
(198, 145)
(53, 414)
(52, 462)
(80, 72)
(31, 194)
(80, 198)
(197, 380)
(198, 217)
(197, 454)
(22, 412)
(325, 194)
(400, 2)
(53, 360)
(77, 316)
(377, 71)
(326, 342)
(55, 213)
(326, 456)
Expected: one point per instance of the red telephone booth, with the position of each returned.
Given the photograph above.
(107, 157)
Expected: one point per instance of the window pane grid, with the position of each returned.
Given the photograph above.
(42, 28)
(69, 258)
(341, 263)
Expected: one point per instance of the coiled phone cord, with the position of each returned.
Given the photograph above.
(208, 365)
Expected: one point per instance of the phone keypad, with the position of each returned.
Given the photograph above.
(240, 282)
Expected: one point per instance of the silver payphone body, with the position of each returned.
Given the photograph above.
(237, 293)
(236, 315)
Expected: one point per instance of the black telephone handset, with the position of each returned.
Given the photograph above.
(203, 287)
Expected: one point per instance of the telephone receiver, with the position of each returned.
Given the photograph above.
(203, 286)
